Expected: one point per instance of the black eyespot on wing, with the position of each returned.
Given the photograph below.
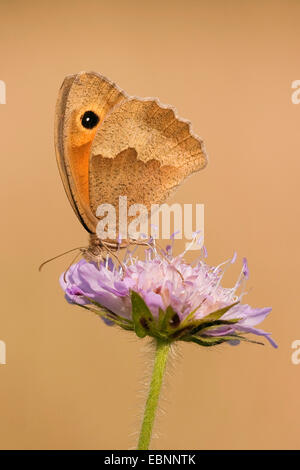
(89, 120)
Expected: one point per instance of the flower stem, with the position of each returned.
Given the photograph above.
(160, 361)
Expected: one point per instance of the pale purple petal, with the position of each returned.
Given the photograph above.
(245, 268)
(259, 332)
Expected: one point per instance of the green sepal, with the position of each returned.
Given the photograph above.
(106, 314)
(205, 341)
(213, 324)
(191, 326)
(161, 315)
(166, 323)
(215, 340)
(190, 323)
(142, 317)
(217, 314)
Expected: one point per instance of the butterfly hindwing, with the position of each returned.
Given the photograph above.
(142, 151)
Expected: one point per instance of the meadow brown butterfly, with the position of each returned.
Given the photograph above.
(110, 144)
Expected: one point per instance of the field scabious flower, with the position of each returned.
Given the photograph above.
(166, 298)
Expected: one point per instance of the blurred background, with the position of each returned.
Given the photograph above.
(70, 382)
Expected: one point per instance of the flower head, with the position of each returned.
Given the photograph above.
(164, 297)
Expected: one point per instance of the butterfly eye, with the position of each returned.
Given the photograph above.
(89, 120)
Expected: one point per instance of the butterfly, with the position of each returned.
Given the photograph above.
(110, 144)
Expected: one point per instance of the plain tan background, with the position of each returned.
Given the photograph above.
(70, 382)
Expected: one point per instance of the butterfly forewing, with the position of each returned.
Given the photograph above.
(83, 102)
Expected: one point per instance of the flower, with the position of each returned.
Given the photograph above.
(165, 297)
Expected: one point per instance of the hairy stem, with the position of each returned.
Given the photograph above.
(160, 361)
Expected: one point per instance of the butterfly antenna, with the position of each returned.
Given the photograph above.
(58, 256)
